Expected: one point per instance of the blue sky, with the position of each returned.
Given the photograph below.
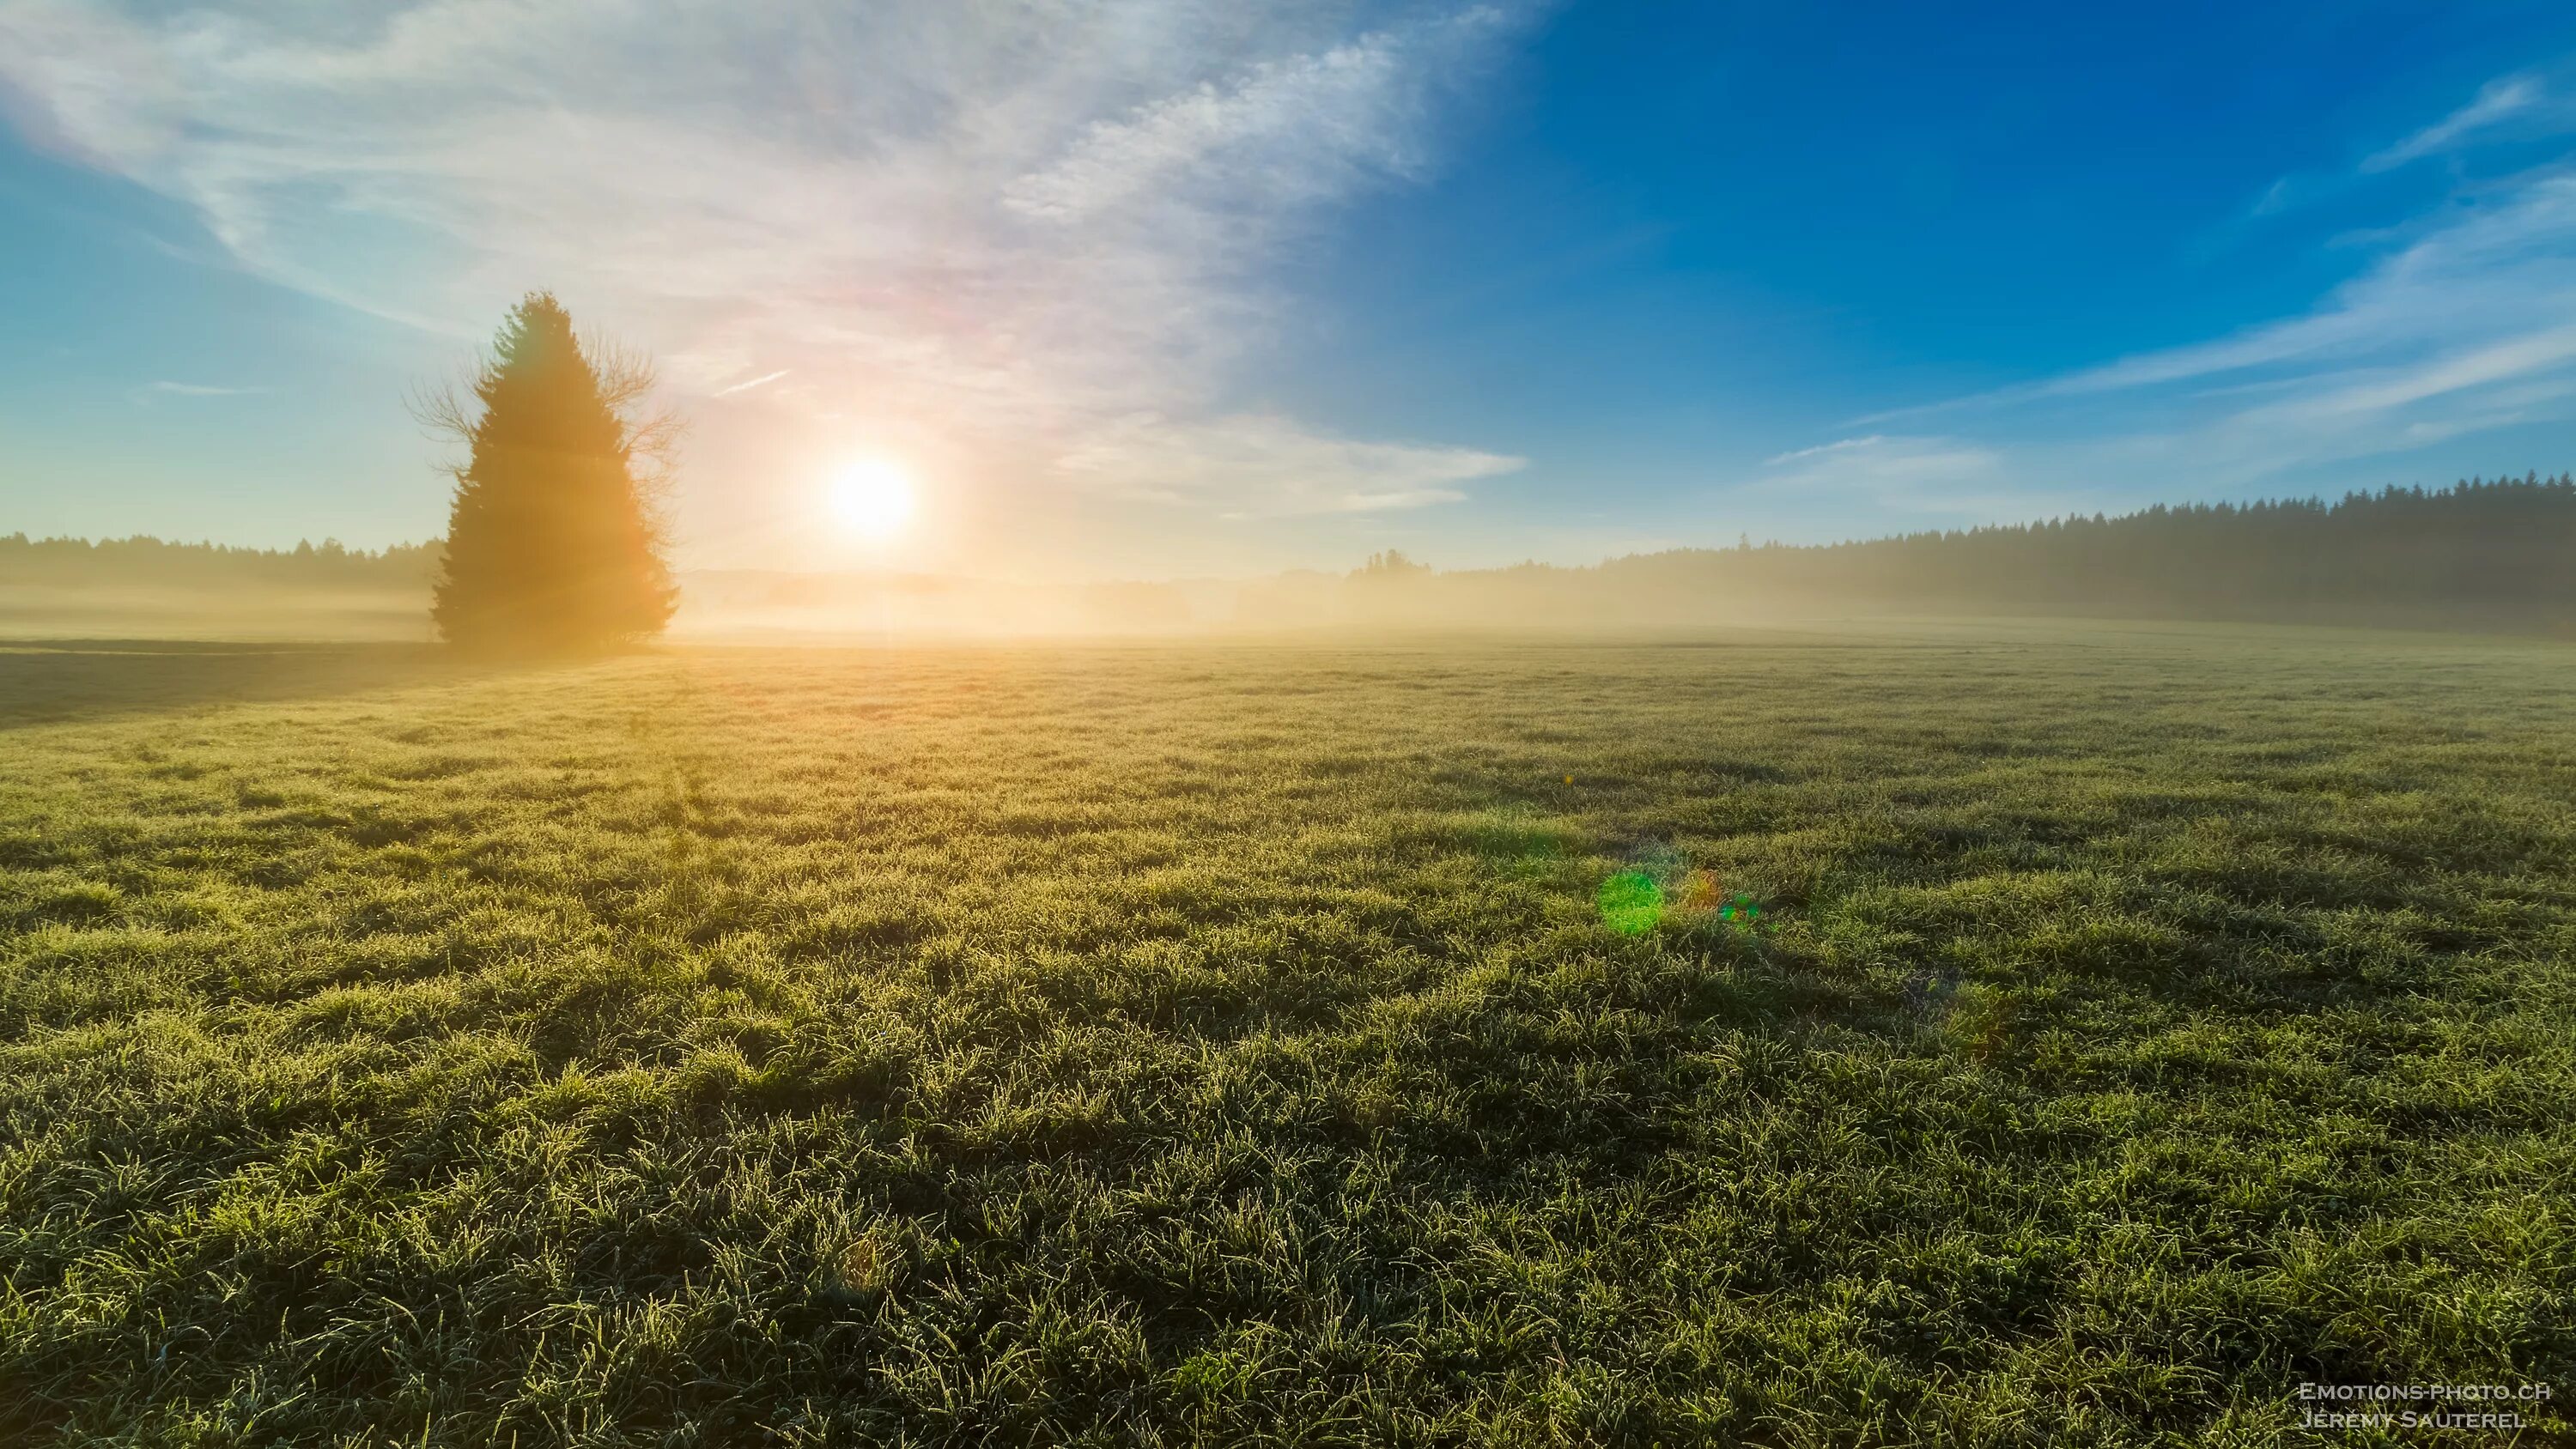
(1158, 287)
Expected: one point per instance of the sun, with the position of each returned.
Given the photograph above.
(872, 498)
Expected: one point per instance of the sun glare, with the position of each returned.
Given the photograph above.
(872, 499)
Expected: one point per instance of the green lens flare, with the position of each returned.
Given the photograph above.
(1631, 902)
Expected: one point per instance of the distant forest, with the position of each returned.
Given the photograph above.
(2480, 554)
(143, 561)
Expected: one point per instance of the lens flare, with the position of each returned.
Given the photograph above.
(1655, 888)
(1631, 903)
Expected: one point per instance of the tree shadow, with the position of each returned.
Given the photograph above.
(60, 681)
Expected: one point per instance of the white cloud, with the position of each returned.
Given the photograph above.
(1017, 223)
(1286, 469)
(2510, 108)
(747, 384)
(2448, 374)
(2464, 326)
(2499, 99)
(1901, 476)
(1846, 445)
(199, 389)
(2484, 296)
(1307, 127)
(2468, 329)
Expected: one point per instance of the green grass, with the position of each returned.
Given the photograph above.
(2008, 1036)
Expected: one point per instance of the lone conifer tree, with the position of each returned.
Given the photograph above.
(551, 542)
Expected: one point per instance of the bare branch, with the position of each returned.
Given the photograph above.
(625, 373)
(440, 410)
(627, 378)
(443, 412)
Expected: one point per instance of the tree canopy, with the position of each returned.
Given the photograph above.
(552, 541)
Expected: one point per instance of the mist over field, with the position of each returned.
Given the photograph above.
(2478, 556)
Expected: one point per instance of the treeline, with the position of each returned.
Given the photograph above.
(2481, 553)
(2478, 555)
(145, 561)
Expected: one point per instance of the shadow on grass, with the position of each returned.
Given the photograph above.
(59, 681)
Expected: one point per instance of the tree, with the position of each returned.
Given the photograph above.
(1391, 564)
(553, 542)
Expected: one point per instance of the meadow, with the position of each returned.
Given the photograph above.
(1998, 1034)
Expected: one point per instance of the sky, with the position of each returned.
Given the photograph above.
(1169, 288)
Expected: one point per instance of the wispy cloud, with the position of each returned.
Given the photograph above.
(1928, 478)
(1286, 469)
(199, 389)
(2502, 271)
(1821, 450)
(2522, 107)
(1020, 225)
(1309, 127)
(2501, 98)
(747, 384)
(2465, 324)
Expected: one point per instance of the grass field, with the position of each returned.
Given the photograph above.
(1985, 1035)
